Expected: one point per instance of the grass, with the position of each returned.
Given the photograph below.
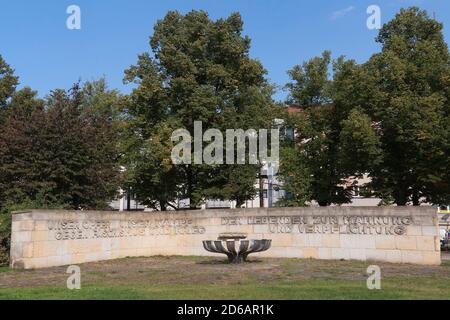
(311, 289)
(5, 269)
(190, 278)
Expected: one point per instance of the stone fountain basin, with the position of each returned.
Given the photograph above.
(237, 251)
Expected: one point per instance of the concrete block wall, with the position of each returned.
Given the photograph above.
(42, 238)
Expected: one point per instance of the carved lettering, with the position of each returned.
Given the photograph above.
(76, 230)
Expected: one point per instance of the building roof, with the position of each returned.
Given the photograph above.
(292, 109)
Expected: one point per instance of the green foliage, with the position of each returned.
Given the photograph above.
(151, 175)
(311, 84)
(5, 238)
(409, 85)
(63, 150)
(389, 117)
(359, 144)
(199, 70)
(296, 177)
(317, 130)
(8, 83)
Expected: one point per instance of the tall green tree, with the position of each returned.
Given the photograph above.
(359, 144)
(311, 84)
(294, 172)
(59, 151)
(317, 128)
(388, 118)
(405, 91)
(198, 70)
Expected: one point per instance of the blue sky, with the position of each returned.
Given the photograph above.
(46, 55)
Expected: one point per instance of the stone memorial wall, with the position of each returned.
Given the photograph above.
(43, 238)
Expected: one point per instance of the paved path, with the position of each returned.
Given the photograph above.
(445, 255)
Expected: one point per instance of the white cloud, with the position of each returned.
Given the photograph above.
(340, 13)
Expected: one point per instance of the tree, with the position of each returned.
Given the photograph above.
(405, 91)
(61, 151)
(198, 70)
(16, 142)
(359, 144)
(311, 84)
(294, 173)
(8, 82)
(151, 176)
(317, 130)
(388, 118)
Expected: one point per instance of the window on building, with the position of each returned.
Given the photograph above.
(288, 195)
(289, 134)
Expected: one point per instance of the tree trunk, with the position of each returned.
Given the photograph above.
(128, 201)
(323, 203)
(416, 198)
(261, 191)
(192, 205)
(401, 198)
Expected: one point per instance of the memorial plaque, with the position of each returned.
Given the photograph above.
(43, 238)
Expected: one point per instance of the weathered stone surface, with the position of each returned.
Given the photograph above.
(52, 238)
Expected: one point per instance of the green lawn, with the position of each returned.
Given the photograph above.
(208, 278)
(5, 269)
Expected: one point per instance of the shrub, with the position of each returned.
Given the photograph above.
(5, 238)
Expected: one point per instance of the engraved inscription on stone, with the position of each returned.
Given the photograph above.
(365, 225)
(88, 229)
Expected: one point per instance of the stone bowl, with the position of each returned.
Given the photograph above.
(237, 251)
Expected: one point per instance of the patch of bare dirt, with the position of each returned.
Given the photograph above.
(202, 270)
